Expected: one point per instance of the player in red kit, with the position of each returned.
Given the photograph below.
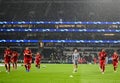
(102, 61)
(38, 58)
(95, 60)
(27, 59)
(7, 58)
(14, 59)
(115, 60)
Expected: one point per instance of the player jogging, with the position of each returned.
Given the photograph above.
(102, 61)
(95, 60)
(38, 58)
(115, 60)
(7, 58)
(14, 59)
(27, 59)
(75, 58)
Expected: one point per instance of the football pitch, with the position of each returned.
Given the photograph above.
(60, 73)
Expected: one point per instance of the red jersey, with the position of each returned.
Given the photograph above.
(38, 57)
(115, 57)
(7, 54)
(102, 55)
(14, 55)
(27, 54)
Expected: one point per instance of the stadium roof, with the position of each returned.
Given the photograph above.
(54, 10)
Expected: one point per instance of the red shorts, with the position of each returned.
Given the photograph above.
(7, 60)
(102, 62)
(37, 62)
(115, 63)
(14, 60)
(27, 61)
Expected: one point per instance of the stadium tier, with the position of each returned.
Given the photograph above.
(61, 38)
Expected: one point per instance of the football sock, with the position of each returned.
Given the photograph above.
(103, 68)
(29, 66)
(13, 66)
(6, 66)
(26, 67)
(114, 68)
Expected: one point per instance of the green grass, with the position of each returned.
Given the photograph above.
(59, 73)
